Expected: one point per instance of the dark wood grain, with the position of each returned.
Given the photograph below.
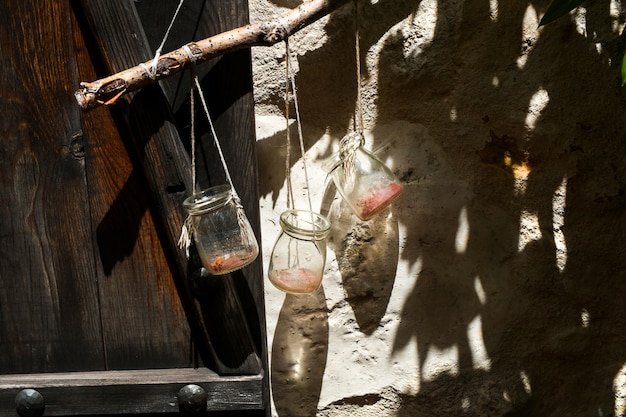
(49, 318)
(227, 83)
(150, 136)
(143, 320)
(91, 278)
(130, 392)
(165, 164)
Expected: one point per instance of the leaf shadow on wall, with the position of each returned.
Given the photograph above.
(271, 153)
(367, 257)
(496, 318)
(326, 85)
(299, 354)
(367, 252)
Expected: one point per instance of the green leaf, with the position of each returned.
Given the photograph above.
(559, 8)
(624, 69)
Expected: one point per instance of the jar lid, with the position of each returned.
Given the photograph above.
(208, 199)
(304, 224)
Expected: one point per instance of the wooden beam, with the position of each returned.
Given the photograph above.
(130, 392)
(109, 89)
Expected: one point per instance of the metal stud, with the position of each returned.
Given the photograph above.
(29, 403)
(192, 399)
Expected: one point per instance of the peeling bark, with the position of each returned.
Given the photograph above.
(108, 90)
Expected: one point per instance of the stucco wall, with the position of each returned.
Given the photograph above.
(495, 284)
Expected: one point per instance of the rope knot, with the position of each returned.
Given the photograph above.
(348, 146)
(350, 143)
(276, 32)
(186, 235)
(193, 52)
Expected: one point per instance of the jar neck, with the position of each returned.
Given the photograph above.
(305, 225)
(208, 200)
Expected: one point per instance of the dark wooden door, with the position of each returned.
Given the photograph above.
(99, 311)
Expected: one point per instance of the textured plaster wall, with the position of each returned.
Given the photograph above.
(495, 285)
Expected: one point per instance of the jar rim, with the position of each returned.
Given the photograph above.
(298, 222)
(208, 199)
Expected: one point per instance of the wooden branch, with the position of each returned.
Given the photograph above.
(107, 90)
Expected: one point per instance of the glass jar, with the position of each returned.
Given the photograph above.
(299, 255)
(222, 233)
(364, 182)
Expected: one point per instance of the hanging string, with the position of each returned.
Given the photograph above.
(192, 107)
(358, 112)
(186, 234)
(287, 128)
(291, 82)
(205, 107)
(151, 71)
(355, 139)
(241, 215)
(187, 230)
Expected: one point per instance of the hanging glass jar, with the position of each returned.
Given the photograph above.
(222, 233)
(299, 255)
(363, 180)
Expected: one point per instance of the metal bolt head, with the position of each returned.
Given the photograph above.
(29, 403)
(192, 399)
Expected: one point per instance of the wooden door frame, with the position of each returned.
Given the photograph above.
(236, 299)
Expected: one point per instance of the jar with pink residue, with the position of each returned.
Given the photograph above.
(364, 181)
(299, 256)
(221, 231)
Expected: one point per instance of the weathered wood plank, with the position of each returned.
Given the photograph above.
(143, 320)
(49, 318)
(165, 164)
(227, 82)
(228, 85)
(130, 392)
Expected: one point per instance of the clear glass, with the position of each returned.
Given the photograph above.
(299, 255)
(366, 184)
(222, 233)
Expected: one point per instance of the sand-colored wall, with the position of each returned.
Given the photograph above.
(495, 284)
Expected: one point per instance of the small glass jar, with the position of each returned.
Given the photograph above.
(299, 255)
(364, 182)
(222, 233)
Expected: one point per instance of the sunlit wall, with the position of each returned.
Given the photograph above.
(493, 286)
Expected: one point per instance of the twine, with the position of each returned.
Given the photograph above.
(152, 69)
(241, 215)
(187, 230)
(186, 234)
(288, 137)
(290, 81)
(184, 241)
(190, 55)
(348, 146)
(351, 142)
(358, 126)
